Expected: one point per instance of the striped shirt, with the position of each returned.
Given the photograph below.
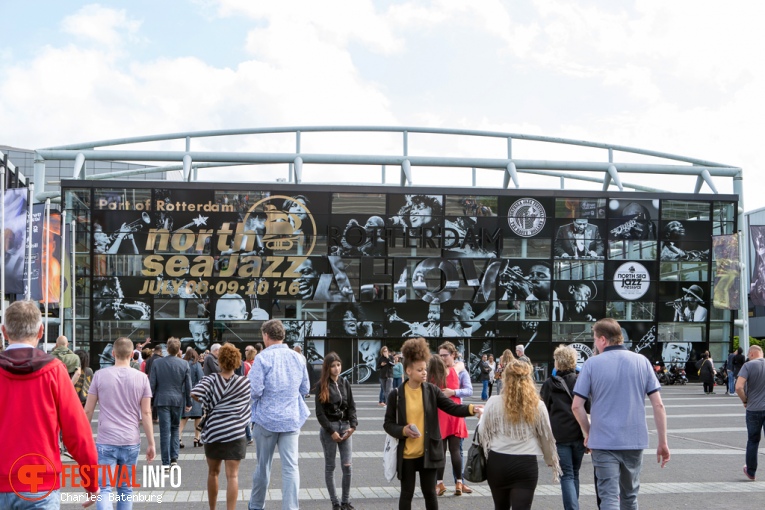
(227, 405)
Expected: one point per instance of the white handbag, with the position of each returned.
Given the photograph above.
(390, 457)
(390, 453)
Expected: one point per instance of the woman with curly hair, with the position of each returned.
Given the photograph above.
(347, 319)
(412, 418)
(225, 397)
(514, 430)
(558, 395)
(419, 211)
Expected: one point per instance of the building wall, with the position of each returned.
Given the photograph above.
(349, 269)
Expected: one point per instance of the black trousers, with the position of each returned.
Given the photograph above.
(453, 442)
(512, 480)
(427, 484)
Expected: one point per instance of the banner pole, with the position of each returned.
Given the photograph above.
(74, 288)
(46, 253)
(2, 240)
(31, 196)
(743, 294)
(63, 271)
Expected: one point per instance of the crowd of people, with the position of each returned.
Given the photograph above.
(260, 398)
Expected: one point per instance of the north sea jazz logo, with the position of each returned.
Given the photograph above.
(526, 217)
(631, 280)
(289, 228)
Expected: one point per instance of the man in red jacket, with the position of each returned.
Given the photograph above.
(36, 395)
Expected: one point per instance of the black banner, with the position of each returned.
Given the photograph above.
(757, 287)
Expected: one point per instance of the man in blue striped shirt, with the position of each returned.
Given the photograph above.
(278, 381)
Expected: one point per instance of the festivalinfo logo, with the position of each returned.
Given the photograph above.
(32, 472)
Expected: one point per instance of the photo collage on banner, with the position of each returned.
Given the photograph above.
(727, 287)
(633, 229)
(757, 286)
(15, 234)
(352, 271)
(46, 258)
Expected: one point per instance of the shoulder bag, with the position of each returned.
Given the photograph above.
(209, 406)
(475, 465)
(565, 386)
(390, 452)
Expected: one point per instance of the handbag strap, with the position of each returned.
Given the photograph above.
(210, 405)
(476, 436)
(565, 386)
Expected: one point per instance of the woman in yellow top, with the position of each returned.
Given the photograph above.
(412, 417)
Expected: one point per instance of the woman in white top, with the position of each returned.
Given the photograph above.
(515, 428)
(493, 367)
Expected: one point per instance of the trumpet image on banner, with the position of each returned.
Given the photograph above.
(725, 250)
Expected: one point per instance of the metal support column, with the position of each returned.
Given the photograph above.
(46, 258)
(2, 240)
(743, 313)
(62, 251)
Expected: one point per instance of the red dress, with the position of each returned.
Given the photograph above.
(452, 425)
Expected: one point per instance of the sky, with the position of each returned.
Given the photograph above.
(680, 77)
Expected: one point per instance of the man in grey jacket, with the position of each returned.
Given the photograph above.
(170, 380)
(211, 361)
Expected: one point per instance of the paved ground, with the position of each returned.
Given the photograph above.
(707, 440)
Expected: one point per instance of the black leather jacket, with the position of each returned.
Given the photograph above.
(339, 407)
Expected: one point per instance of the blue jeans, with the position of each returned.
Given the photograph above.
(116, 457)
(755, 420)
(731, 382)
(570, 455)
(485, 390)
(618, 473)
(169, 438)
(265, 442)
(11, 501)
(396, 382)
(386, 385)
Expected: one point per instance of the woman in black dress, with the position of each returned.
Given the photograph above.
(707, 373)
(195, 370)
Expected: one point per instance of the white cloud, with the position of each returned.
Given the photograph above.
(335, 23)
(669, 76)
(300, 76)
(101, 25)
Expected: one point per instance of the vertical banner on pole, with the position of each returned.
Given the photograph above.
(33, 276)
(15, 234)
(46, 255)
(757, 287)
(726, 293)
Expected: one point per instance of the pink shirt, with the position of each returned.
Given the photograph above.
(120, 391)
